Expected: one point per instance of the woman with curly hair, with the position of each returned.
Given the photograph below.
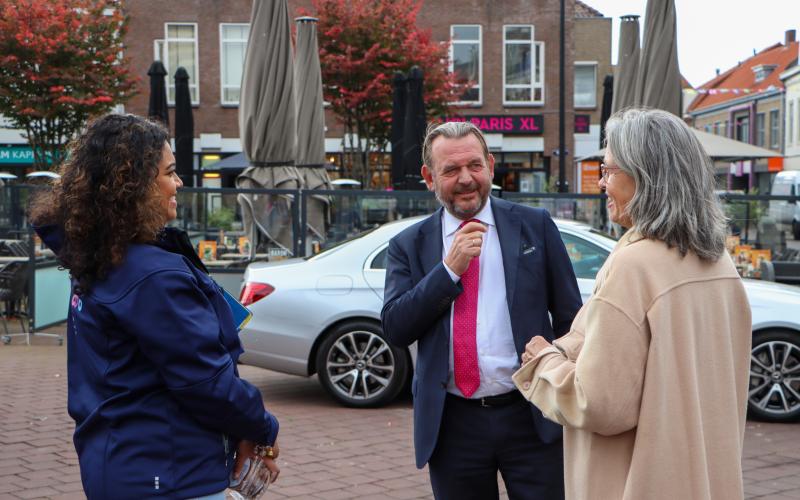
(154, 390)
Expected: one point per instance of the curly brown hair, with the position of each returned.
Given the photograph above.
(106, 198)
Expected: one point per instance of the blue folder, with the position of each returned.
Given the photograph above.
(241, 314)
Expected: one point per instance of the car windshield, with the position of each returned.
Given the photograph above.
(603, 234)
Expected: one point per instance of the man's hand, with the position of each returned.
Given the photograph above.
(534, 347)
(466, 245)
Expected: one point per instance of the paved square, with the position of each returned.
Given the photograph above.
(327, 451)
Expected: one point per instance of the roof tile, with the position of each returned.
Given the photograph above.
(743, 77)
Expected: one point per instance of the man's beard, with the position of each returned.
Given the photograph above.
(455, 209)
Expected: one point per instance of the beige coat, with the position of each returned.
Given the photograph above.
(651, 382)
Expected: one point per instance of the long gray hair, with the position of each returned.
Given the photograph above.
(674, 200)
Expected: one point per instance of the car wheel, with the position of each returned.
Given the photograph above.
(774, 389)
(359, 368)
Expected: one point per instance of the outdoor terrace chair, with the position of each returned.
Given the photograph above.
(13, 288)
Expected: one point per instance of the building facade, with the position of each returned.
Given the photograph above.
(746, 103)
(510, 49)
(791, 137)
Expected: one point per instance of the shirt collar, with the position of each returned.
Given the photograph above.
(451, 223)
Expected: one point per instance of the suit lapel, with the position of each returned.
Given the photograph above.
(429, 249)
(429, 242)
(508, 232)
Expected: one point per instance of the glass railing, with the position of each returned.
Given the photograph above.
(766, 229)
(231, 227)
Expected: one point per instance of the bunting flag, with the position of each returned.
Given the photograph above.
(735, 91)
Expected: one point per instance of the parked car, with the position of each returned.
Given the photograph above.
(786, 213)
(322, 315)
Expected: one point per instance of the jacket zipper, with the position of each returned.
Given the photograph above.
(226, 448)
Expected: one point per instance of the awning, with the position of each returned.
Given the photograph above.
(717, 147)
(238, 161)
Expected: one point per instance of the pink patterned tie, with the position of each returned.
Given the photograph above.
(465, 320)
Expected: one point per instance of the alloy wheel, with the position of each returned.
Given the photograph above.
(775, 378)
(360, 365)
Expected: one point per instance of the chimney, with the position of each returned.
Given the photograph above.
(791, 36)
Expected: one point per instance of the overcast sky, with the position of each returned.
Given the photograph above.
(714, 33)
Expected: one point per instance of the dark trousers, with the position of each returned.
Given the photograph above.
(475, 442)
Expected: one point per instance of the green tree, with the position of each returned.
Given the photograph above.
(60, 64)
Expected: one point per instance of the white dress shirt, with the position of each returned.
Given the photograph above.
(497, 356)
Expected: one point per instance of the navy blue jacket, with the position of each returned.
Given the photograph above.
(153, 386)
(419, 292)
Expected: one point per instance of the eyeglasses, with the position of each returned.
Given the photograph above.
(606, 171)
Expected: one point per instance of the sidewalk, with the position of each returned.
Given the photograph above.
(327, 451)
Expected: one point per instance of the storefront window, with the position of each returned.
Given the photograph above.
(517, 160)
(525, 172)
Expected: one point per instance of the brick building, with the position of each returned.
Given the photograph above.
(510, 48)
(746, 103)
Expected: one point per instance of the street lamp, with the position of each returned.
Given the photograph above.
(562, 149)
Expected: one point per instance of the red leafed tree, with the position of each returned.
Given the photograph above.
(362, 43)
(59, 65)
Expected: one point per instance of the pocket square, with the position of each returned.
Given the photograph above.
(528, 250)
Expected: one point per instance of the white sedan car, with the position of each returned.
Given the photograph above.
(322, 315)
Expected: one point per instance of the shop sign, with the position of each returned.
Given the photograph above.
(582, 123)
(19, 155)
(504, 124)
(590, 174)
(775, 164)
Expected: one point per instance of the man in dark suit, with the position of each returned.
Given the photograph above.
(472, 284)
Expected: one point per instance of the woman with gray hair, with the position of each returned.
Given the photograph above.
(651, 382)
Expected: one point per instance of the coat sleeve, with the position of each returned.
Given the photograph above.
(601, 390)
(177, 329)
(563, 292)
(410, 310)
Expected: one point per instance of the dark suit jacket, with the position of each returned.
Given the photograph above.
(419, 293)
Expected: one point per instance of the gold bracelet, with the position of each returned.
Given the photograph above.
(265, 451)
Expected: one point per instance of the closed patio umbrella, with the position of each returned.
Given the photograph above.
(267, 126)
(184, 128)
(157, 108)
(414, 126)
(311, 125)
(658, 84)
(627, 64)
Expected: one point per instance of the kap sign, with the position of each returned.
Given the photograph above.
(504, 124)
